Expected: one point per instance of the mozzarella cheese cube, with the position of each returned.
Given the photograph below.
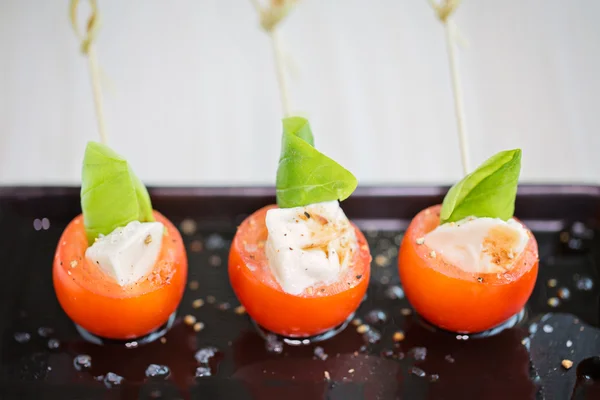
(309, 245)
(479, 245)
(128, 253)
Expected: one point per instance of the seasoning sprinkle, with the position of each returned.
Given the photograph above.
(73, 263)
(479, 279)
(197, 303)
(567, 364)
(189, 320)
(163, 340)
(432, 254)
(194, 285)
(552, 283)
(210, 299)
(239, 310)
(381, 260)
(362, 328)
(148, 239)
(406, 312)
(306, 214)
(356, 322)
(420, 240)
(327, 376)
(553, 302)
(198, 326)
(398, 336)
(351, 371)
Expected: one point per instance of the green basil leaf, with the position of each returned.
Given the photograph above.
(489, 191)
(306, 176)
(111, 194)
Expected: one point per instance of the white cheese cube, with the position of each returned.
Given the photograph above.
(128, 253)
(479, 245)
(309, 245)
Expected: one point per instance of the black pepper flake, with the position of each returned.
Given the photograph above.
(358, 276)
(252, 256)
(479, 279)
(306, 214)
(285, 234)
(174, 240)
(97, 262)
(291, 248)
(61, 263)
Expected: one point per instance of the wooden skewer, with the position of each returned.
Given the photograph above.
(88, 48)
(443, 11)
(270, 27)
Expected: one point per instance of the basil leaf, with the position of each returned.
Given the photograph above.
(111, 194)
(306, 176)
(489, 191)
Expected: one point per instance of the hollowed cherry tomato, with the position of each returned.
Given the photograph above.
(317, 310)
(100, 305)
(460, 301)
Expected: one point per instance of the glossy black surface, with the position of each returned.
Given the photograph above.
(523, 362)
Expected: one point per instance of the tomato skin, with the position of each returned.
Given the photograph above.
(97, 303)
(316, 310)
(453, 299)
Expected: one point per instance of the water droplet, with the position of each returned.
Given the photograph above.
(44, 331)
(548, 328)
(449, 358)
(273, 344)
(398, 239)
(131, 345)
(564, 293)
(418, 353)
(372, 336)
(462, 337)
(583, 283)
(434, 377)
(533, 328)
(376, 316)
(111, 379)
(214, 242)
(387, 353)
(418, 372)
(53, 344)
(203, 371)
(204, 355)
(82, 362)
(394, 292)
(158, 371)
(22, 337)
(319, 352)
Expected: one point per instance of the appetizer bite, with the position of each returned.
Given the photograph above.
(120, 267)
(468, 265)
(301, 268)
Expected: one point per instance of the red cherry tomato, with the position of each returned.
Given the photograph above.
(318, 309)
(460, 301)
(94, 301)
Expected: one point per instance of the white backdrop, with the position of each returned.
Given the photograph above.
(194, 98)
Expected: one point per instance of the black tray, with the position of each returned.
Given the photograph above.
(523, 362)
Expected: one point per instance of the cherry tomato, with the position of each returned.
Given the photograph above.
(317, 310)
(460, 301)
(94, 301)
